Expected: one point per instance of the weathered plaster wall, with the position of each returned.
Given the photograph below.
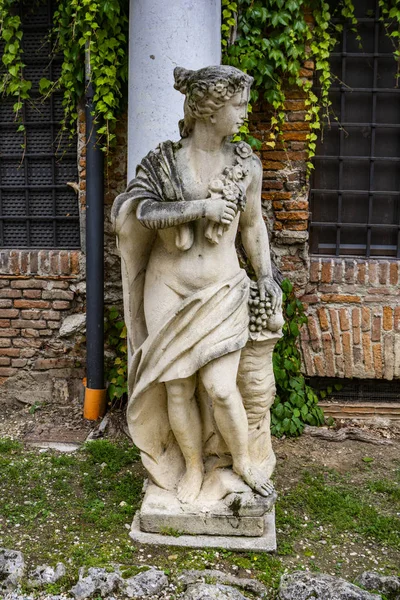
(184, 33)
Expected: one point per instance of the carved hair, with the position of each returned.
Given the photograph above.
(206, 91)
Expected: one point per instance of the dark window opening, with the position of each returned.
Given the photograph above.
(355, 193)
(357, 390)
(38, 209)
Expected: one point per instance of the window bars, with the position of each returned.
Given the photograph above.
(355, 194)
(38, 209)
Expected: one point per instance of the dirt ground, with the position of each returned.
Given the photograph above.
(18, 421)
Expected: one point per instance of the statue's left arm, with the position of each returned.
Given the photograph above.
(255, 237)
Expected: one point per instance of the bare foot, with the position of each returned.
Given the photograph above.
(190, 484)
(256, 479)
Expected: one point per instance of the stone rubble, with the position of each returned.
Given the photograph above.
(148, 583)
(12, 568)
(302, 585)
(20, 596)
(99, 581)
(191, 584)
(388, 585)
(205, 591)
(44, 574)
(189, 577)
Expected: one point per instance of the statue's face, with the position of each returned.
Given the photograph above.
(229, 118)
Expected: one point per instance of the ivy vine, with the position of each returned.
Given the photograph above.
(296, 403)
(116, 363)
(270, 39)
(390, 15)
(12, 81)
(95, 30)
(275, 38)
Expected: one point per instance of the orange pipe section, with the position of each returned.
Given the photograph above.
(95, 404)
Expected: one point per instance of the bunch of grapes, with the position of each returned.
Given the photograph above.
(260, 310)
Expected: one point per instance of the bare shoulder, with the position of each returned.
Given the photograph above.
(255, 168)
(245, 155)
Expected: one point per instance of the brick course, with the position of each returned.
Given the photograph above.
(37, 291)
(364, 318)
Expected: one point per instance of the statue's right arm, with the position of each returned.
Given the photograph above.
(154, 214)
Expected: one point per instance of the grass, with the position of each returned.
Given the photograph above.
(77, 508)
(344, 508)
(69, 508)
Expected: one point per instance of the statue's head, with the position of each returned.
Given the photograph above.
(207, 91)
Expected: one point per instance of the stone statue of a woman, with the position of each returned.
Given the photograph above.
(200, 332)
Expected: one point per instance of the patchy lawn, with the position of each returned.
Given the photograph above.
(338, 510)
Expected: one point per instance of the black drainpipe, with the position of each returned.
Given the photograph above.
(95, 394)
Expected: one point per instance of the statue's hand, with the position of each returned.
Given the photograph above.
(220, 210)
(269, 287)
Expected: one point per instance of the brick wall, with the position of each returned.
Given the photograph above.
(39, 291)
(354, 319)
(285, 189)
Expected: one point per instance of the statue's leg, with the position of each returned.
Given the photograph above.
(219, 379)
(184, 418)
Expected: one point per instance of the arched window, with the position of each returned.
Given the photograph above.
(355, 195)
(38, 209)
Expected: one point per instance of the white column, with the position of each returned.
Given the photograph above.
(165, 34)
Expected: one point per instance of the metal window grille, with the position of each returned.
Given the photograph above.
(357, 390)
(355, 192)
(37, 207)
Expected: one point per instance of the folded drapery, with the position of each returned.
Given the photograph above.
(208, 324)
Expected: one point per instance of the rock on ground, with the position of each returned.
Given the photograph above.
(19, 596)
(148, 583)
(44, 574)
(12, 568)
(387, 584)
(98, 581)
(205, 591)
(191, 576)
(303, 585)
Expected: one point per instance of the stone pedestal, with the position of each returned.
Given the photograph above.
(241, 521)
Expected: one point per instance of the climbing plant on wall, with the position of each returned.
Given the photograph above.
(91, 30)
(270, 39)
(12, 81)
(273, 39)
(296, 403)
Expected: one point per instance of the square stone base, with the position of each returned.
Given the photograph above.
(264, 543)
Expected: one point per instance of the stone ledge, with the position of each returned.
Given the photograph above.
(264, 543)
(239, 513)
